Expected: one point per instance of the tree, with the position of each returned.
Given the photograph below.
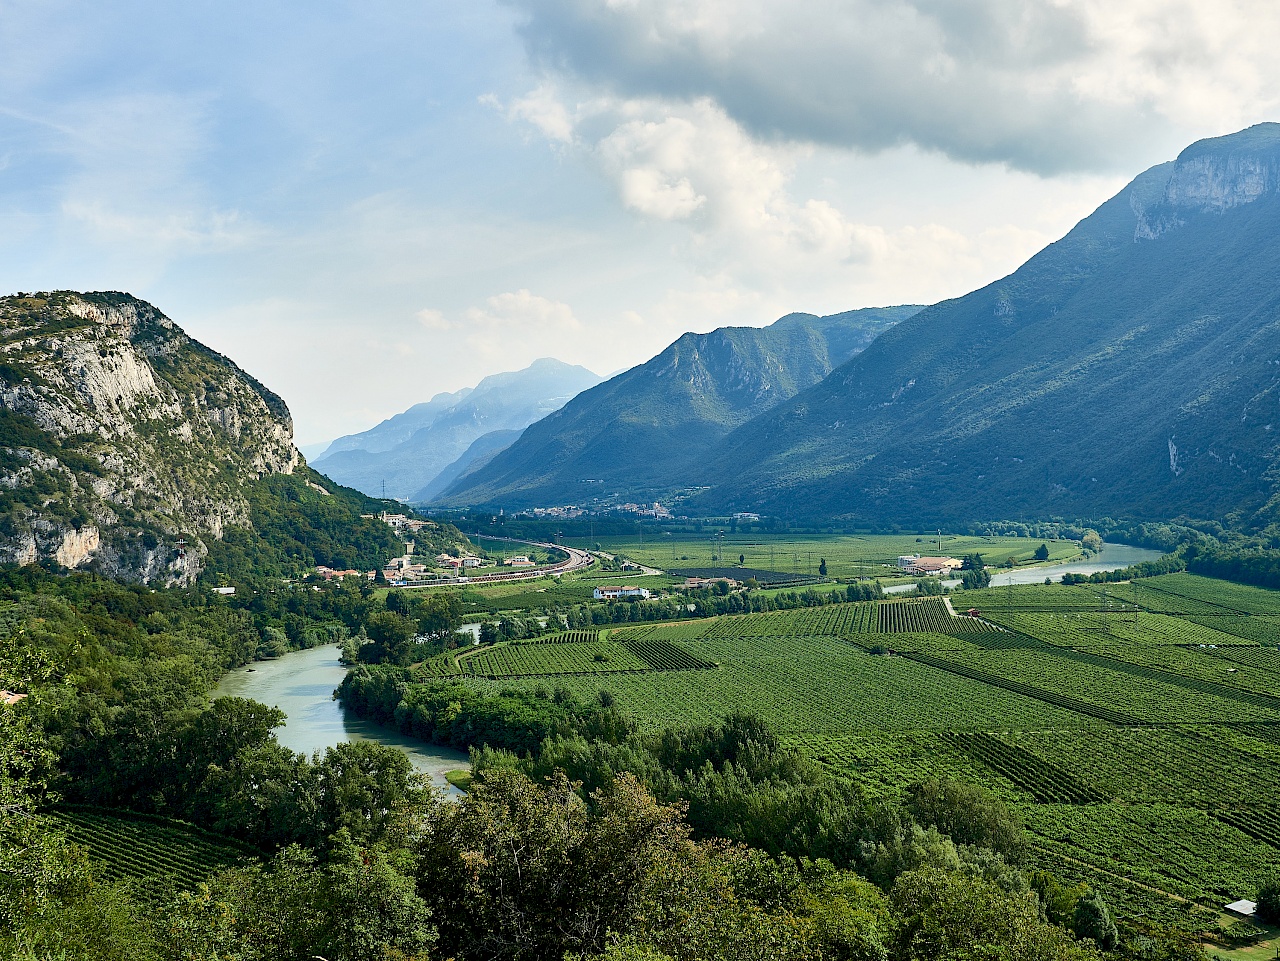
(943, 914)
(1269, 900)
(967, 813)
(521, 870)
(822, 567)
(1093, 920)
(1091, 541)
(391, 636)
(1042, 552)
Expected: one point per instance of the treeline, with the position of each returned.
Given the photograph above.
(946, 859)
(1256, 565)
(1170, 564)
(708, 602)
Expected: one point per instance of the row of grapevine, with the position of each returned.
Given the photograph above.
(1197, 684)
(832, 620)
(1260, 823)
(1043, 780)
(1017, 687)
(1218, 594)
(1083, 629)
(1255, 628)
(1199, 767)
(924, 617)
(130, 847)
(568, 637)
(531, 660)
(665, 656)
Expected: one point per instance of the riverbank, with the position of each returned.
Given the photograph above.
(301, 684)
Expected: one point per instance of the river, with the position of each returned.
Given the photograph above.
(1112, 557)
(301, 684)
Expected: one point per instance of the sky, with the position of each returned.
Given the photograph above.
(365, 204)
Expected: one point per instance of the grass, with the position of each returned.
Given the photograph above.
(846, 555)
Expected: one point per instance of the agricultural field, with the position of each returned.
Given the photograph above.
(846, 555)
(543, 660)
(126, 845)
(1137, 732)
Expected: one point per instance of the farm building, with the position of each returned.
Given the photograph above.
(1242, 908)
(518, 561)
(697, 582)
(617, 593)
(928, 566)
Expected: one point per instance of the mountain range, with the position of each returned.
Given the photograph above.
(1130, 369)
(644, 431)
(405, 454)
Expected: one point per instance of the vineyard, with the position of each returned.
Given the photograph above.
(923, 617)
(569, 637)
(127, 845)
(541, 660)
(1136, 731)
(834, 620)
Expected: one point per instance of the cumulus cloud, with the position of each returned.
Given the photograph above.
(430, 319)
(694, 165)
(1040, 85)
(522, 311)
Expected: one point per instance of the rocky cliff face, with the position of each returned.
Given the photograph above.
(121, 437)
(1213, 176)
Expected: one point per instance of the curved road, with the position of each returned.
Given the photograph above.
(577, 560)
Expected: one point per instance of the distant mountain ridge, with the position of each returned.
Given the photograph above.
(1131, 369)
(408, 451)
(641, 431)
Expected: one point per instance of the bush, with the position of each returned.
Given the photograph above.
(1269, 900)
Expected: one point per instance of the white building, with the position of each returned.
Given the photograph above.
(617, 593)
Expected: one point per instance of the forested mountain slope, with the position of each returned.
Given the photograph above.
(641, 432)
(1130, 369)
(407, 452)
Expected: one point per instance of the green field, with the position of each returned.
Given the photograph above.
(1136, 730)
(846, 555)
(127, 845)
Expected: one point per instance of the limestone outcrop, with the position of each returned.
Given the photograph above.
(124, 444)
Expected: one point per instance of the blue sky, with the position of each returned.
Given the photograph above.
(365, 204)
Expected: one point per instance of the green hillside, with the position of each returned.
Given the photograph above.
(641, 432)
(1129, 369)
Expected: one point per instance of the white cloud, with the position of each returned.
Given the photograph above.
(523, 311)
(544, 110)
(430, 319)
(1040, 85)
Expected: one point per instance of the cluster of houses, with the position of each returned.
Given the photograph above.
(916, 565)
(654, 510)
(568, 511)
(329, 573)
(695, 583)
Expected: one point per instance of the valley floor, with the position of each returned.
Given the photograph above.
(1135, 727)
